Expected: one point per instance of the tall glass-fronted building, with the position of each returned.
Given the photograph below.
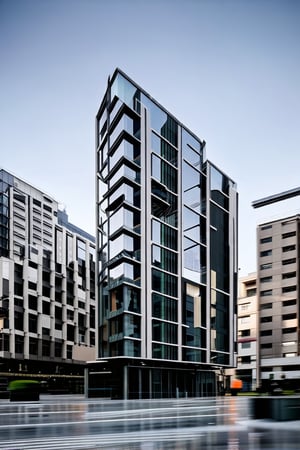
(167, 253)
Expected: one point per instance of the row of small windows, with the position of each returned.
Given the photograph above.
(284, 262)
(291, 302)
(269, 345)
(269, 238)
(284, 290)
(266, 227)
(45, 349)
(269, 319)
(266, 253)
(288, 248)
(285, 276)
(266, 240)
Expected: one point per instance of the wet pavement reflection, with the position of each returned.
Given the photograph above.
(72, 422)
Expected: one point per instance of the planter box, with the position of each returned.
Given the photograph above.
(24, 391)
(276, 408)
(24, 396)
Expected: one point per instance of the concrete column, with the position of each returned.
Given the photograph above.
(150, 383)
(86, 382)
(125, 383)
(140, 383)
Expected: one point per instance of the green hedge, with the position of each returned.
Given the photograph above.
(17, 385)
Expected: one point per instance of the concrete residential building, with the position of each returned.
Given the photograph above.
(247, 332)
(47, 285)
(167, 253)
(278, 291)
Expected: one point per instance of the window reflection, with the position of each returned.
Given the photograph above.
(190, 177)
(192, 354)
(194, 261)
(132, 348)
(219, 186)
(191, 149)
(219, 321)
(164, 307)
(192, 258)
(162, 351)
(161, 122)
(102, 126)
(219, 247)
(124, 298)
(163, 149)
(164, 259)
(190, 218)
(192, 198)
(127, 150)
(164, 173)
(115, 110)
(124, 218)
(126, 172)
(122, 243)
(125, 272)
(128, 93)
(125, 245)
(124, 124)
(126, 193)
(164, 283)
(132, 326)
(164, 235)
(164, 332)
(132, 298)
(102, 156)
(164, 205)
(188, 139)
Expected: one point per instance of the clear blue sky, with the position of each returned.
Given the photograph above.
(229, 70)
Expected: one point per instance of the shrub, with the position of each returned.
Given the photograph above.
(18, 385)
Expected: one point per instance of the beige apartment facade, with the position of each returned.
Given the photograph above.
(247, 332)
(278, 293)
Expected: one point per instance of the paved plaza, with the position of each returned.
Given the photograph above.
(72, 422)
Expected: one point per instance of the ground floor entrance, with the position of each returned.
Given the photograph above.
(136, 380)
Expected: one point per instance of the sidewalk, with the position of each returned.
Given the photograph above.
(268, 424)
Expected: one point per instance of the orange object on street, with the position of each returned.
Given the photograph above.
(236, 384)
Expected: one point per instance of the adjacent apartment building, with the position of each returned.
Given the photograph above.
(47, 286)
(247, 360)
(166, 253)
(278, 291)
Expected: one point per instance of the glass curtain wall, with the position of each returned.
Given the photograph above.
(194, 250)
(164, 228)
(219, 266)
(185, 250)
(6, 180)
(119, 218)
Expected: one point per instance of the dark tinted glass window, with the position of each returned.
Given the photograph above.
(266, 240)
(164, 307)
(266, 253)
(164, 283)
(219, 254)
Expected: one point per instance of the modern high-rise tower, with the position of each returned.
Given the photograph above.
(167, 253)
